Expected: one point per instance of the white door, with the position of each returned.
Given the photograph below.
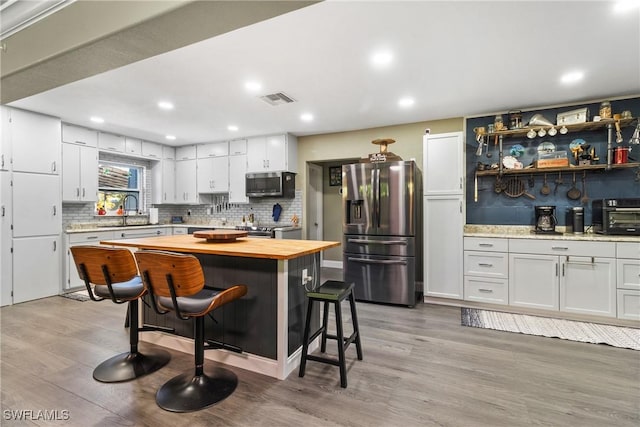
(36, 268)
(588, 285)
(36, 205)
(213, 175)
(168, 181)
(186, 181)
(256, 154)
(6, 258)
(276, 153)
(533, 281)
(237, 181)
(36, 142)
(443, 164)
(71, 187)
(88, 174)
(443, 246)
(314, 224)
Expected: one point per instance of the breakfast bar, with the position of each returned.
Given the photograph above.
(268, 322)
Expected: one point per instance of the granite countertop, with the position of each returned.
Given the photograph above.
(93, 227)
(526, 232)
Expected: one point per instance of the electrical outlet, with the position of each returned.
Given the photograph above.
(304, 276)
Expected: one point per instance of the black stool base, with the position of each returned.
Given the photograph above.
(129, 366)
(188, 392)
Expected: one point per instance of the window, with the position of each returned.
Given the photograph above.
(119, 188)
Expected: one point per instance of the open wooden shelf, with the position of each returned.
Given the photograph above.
(571, 168)
(578, 127)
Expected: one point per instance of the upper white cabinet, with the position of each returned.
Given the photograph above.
(79, 135)
(186, 182)
(164, 182)
(443, 164)
(214, 149)
(35, 141)
(213, 174)
(272, 153)
(168, 152)
(5, 139)
(237, 181)
(151, 150)
(133, 146)
(237, 147)
(36, 205)
(111, 142)
(79, 173)
(186, 152)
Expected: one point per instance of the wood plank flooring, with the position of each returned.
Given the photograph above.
(420, 368)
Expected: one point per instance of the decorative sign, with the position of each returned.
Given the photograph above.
(335, 176)
(377, 157)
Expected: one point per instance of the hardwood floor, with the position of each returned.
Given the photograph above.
(420, 368)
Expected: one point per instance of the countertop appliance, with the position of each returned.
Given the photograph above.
(575, 220)
(616, 216)
(271, 184)
(382, 226)
(546, 219)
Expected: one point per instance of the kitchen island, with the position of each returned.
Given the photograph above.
(268, 322)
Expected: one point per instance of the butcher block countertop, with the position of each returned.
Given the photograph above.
(247, 247)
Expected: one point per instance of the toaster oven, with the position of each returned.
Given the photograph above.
(616, 216)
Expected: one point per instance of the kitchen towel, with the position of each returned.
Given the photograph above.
(277, 210)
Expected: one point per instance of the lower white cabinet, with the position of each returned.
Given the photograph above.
(6, 257)
(179, 230)
(71, 278)
(36, 267)
(587, 286)
(484, 289)
(534, 281)
(628, 304)
(628, 280)
(443, 246)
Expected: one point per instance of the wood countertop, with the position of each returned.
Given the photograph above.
(249, 247)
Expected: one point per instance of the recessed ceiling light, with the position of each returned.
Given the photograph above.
(96, 119)
(306, 117)
(382, 58)
(625, 5)
(572, 77)
(232, 128)
(406, 102)
(170, 137)
(165, 105)
(253, 86)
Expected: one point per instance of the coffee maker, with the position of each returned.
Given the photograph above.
(546, 219)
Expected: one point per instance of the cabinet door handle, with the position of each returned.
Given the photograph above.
(92, 237)
(83, 192)
(81, 142)
(486, 291)
(556, 269)
(55, 246)
(559, 248)
(77, 192)
(461, 183)
(3, 211)
(53, 166)
(55, 210)
(486, 245)
(2, 161)
(563, 269)
(484, 264)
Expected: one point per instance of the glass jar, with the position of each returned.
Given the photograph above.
(605, 110)
(498, 124)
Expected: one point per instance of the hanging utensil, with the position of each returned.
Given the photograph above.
(515, 188)
(585, 198)
(531, 181)
(574, 193)
(479, 150)
(619, 139)
(545, 190)
(558, 182)
(499, 185)
(475, 188)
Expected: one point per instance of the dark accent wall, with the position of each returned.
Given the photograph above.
(493, 208)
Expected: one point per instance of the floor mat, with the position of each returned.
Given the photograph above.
(616, 336)
(77, 296)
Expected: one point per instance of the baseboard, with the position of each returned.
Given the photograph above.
(331, 264)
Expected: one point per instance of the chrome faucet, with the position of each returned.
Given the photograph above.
(124, 206)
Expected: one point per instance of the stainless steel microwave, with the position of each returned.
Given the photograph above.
(616, 216)
(271, 184)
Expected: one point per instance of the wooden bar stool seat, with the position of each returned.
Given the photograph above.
(114, 276)
(176, 283)
(331, 292)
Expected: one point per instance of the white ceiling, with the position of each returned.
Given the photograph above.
(454, 58)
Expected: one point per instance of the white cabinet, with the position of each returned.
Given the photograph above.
(35, 141)
(237, 179)
(443, 164)
(486, 270)
(79, 173)
(79, 135)
(151, 150)
(534, 281)
(168, 152)
(213, 174)
(164, 182)
(133, 146)
(628, 280)
(186, 152)
(587, 285)
(6, 258)
(214, 149)
(237, 147)
(443, 246)
(37, 209)
(272, 153)
(93, 238)
(36, 267)
(186, 181)
(110, 142)
(628, 304)
(5, 138)
(179, 230)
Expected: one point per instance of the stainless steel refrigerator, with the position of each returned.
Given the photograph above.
(382, 226)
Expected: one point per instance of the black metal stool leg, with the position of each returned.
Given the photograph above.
(340, 337)
(356, 328)
(325, 325)
(131, 365)
(305, 339)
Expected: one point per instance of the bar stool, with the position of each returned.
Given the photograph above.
(334, 292)
(114, 274)
(176, 283)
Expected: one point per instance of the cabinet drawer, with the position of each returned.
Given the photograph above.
(486, 244)
(563, 247)
(486, 264)
(486, 290)
(91, 237)
(628, 304)
(628, 250)
(628, 273)
(179, 230)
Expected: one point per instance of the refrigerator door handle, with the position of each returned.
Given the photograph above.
(378, 242)
(377, 261)
(377, 196)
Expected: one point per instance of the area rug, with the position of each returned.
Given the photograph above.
(77, 296)
(616, 336)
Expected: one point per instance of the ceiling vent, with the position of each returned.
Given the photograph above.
(278, 98)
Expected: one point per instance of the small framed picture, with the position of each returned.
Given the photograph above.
(335, 176)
